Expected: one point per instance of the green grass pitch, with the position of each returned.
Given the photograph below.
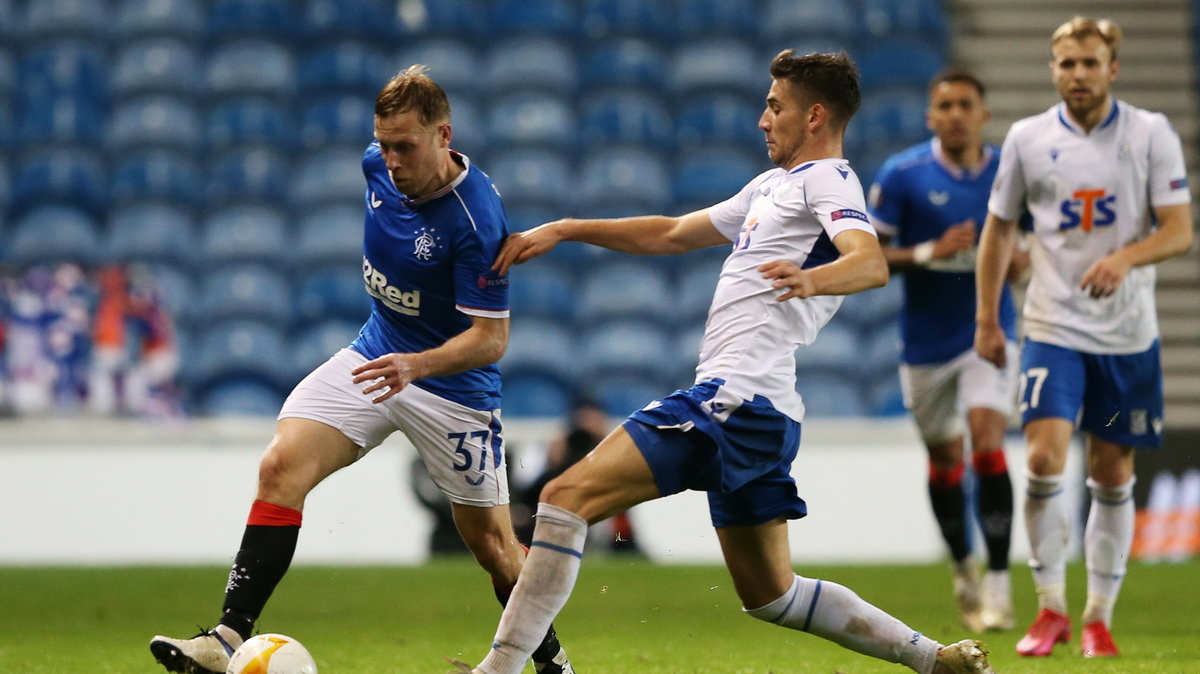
(626, 615)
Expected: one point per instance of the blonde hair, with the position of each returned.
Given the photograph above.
(1081, 27)
(413, 89)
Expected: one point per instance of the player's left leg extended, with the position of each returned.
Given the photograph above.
(1107, 539)
(488, 533)
(759, 562)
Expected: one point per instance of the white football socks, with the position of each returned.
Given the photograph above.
(1048, 523)
(1106, 542)
(836, 613)
(542, 589)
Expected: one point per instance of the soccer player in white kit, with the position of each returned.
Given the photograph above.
(1106, 185)
(800, 239)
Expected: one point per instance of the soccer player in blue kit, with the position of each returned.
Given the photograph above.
(931, 200)
(423, 364)
(800, 240)
(1107, 187)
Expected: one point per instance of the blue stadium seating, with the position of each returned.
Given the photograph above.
(625, 117)
(151, 232)
(527, 62)
(8, 75)
(332, 292)
(251, 67)
(177, 288)
(244, 290)
(158, 175)
(697, 279)
(61, 18)
(316, 342)
(707, 18)
(550, 17)
(542, 345)
(155, 121)
(532, 118)
(272, 19)
(59, 120)
(328, 20)
(346, 67)
(5, 184)
(645, 18)
(872, 309)
(706, 119)
(241, 348)
(469, 130)
(72, 177)
(250, 174)
(329, 236)
(721, 64)
(453, 62)
(528, 177)
(626, 62)
(783, 19)
(707, 175)
(160, 65)
(9, 29)
(331, 175)
(898, 62)
(630, 347)
(71, 67)
(337, 120)
(836, 348)
(922, 18)
(246, 233)
(238, 396)
(620, 395)
(626, 288)
(464, 19)
(7, 123)
(542, 290)
(895, 115)
(240, 122)
(183, 19)
(633, 179)
(826, 394)
(532, 394)
(53, 234)
(880, 352)
(884, 397)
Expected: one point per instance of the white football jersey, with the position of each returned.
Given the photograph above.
(750, 339)
(1090, 194)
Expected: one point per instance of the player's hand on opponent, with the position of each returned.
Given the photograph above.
(1105, 276)
(393, 372)
(956, 238)
(788, 275)
(990, 343)
(522, 247)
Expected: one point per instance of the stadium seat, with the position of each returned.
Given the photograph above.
(62, 18)
(183, 19)
(532, 177)
(243, 233)
(158, 65)
(644, 18)
(251, 67)
(708, 18)
(922, 18)
(331, 175)
(705, 119)
(625, 117)
(785, 19)
(251, 174)
(347, 67)
(240, 397)
(331, 20)
(70, 177)
(872, 309)
(462, 19)
(634, 179)
(708, 175)
(880, 354)
(54, 234)
(625, 63)
(337, 120)
(158, 175)
(244, 121)
(155, 121)
(242, 347)
(535, 395)
(893, 115)
(631, 347)
(898, 62)
(244, 290)
(626, 288)
(329, 236)
(177, 289)
(272, 19)
(62, 119)
(151, 232)
(884, 397)
(695, 285)
(9, 24)
(687, 352)
(8, 75)
(5, 185)
(542, 290)
(469, 130)
(70, 67)
(316, 342)
(826, 394)
(836, 348)
(531, 62)
(718, 64)
(453, 63)
(542, 345)
(545, 17)
(332, 292)
(531, 118)
(620, 395)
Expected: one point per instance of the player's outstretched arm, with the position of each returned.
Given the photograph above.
(995, 251)
(860, 266)
(1173, 237)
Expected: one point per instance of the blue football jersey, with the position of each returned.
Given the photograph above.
(916, 197)
(427, 266)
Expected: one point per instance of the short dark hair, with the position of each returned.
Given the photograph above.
(413, 89)
(957, 74)
(823, 77)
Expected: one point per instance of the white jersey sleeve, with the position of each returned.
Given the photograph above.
(727, 216)
(1168, 172)
(835, 196)
(1007, 200)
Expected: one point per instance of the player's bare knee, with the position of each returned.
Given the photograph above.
(278, 479)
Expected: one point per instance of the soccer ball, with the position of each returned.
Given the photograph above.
(271, 654)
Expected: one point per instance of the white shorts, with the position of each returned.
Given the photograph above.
(462, 448)
(939, 394)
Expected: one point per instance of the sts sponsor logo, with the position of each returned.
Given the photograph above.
(407, 303)
(1087, 209)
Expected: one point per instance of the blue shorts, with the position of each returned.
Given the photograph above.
(1121, 396)
(743, 462)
